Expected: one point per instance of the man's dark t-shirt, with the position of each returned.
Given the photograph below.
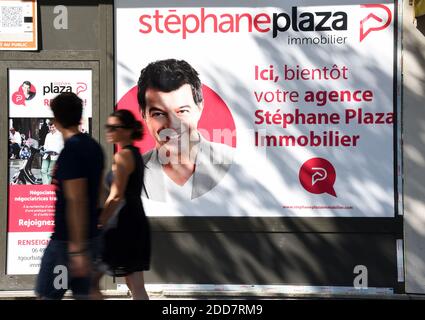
(81, 157)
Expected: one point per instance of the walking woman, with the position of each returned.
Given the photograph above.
(126, 240)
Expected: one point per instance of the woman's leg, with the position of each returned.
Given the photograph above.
(136, 284)
(95, 293)
(128, 284)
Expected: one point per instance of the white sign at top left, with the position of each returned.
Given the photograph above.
(30, 90)
(18, 25)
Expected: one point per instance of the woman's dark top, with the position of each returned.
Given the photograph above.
(126, 245)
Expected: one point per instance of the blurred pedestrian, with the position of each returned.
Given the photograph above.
(126, 240)
(77, 177)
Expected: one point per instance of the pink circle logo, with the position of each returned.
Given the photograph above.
(18, 98)
(318, 176)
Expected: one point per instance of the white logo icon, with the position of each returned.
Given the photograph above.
(320, 175)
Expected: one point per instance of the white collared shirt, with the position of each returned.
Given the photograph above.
(54, 142)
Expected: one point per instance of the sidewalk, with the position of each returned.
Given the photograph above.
(199, 295)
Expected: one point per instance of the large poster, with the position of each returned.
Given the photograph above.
(298, 102)
(34, 146)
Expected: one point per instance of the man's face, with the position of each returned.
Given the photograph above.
(57, 126)
(52, 128)
(171, 116)
(25, 88)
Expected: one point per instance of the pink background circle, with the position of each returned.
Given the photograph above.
(216, 115)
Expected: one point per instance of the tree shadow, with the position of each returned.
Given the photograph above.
(414, 152)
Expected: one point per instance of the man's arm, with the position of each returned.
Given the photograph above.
(47, 143)
(77, 216)
(18, 138)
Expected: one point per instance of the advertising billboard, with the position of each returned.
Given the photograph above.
(298, 108)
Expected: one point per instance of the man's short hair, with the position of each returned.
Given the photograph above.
(67, 108)
(27, 83)
(168, 75)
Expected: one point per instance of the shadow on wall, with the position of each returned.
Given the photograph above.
(414, 153)
(319, 259)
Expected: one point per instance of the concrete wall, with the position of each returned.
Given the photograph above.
(413, 109)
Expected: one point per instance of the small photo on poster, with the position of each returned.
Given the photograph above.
(34, 147)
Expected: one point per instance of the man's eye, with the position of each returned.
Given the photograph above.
(156, 114)
(183, 111)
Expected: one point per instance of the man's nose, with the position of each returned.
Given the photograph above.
(174, 122)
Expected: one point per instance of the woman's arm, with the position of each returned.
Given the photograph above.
(122, 167)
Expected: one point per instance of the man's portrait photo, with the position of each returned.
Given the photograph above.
(26, 90)
(184, 165)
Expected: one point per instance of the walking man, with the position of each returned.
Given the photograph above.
(77, 175)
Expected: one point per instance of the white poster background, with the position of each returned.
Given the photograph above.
(25, 250)
(264, 181)
(48, 84)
